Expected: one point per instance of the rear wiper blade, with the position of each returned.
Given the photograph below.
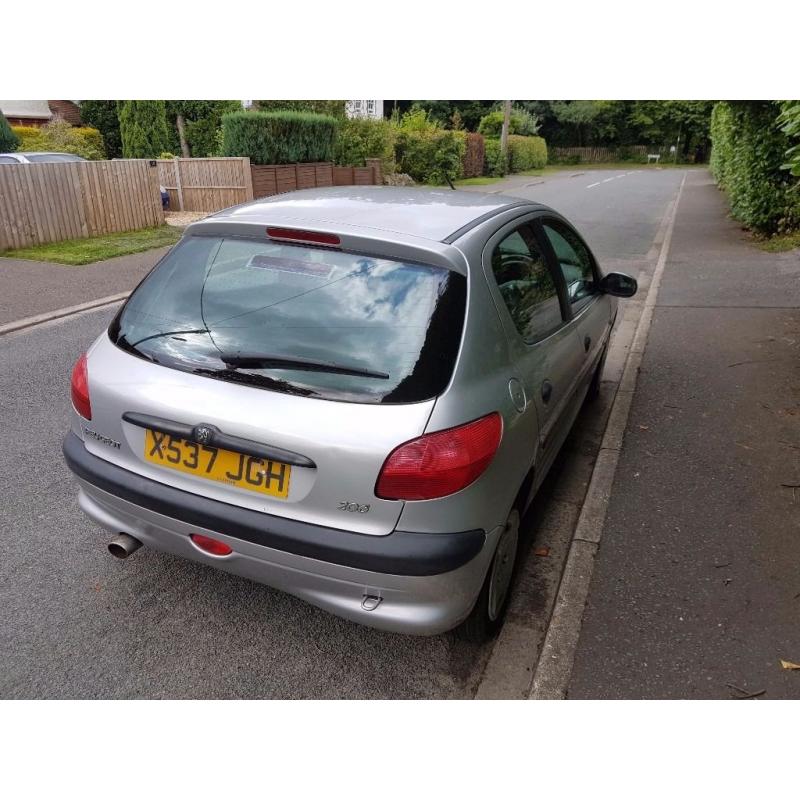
(167, 333)
(267, 360)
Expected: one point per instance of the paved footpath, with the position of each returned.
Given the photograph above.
(30, 288)
(696, 587)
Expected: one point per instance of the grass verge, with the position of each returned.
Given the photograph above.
(76, 252)
(779, 243)
(484, 180)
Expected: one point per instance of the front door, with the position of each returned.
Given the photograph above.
(546, 351)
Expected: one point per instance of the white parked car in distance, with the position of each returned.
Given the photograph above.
(37, 158)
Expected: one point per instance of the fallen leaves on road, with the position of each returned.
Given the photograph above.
(542, 551)
(789, 665)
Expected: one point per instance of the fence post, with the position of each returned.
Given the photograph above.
(377, 173)
(177, 163)
(248, 179)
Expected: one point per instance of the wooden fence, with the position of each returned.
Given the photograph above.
(269, 179)
(210, 184)
(42, 203)
(598, 155)
(205, 184)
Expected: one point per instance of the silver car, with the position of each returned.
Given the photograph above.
(350, 394)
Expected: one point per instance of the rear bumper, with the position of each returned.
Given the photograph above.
(427, 582)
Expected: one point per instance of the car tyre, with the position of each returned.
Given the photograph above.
(486, 617)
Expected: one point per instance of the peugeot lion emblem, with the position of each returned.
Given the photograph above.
(203, 434)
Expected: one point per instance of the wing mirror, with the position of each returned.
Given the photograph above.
(618, 284)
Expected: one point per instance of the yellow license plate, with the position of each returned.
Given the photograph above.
(216, 464)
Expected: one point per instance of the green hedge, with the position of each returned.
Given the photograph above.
(526, 152)
(279, 137)
(362, 138)
(748, 150)
(494, 164)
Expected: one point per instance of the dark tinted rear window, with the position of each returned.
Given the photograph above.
(213, 300)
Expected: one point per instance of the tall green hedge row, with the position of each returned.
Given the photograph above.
(279, 137)
(416, 145)
(748, 151)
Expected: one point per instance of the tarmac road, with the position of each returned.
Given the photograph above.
(78, 624)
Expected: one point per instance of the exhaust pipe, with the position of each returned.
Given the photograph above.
(123, 545)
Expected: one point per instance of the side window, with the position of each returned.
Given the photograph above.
(574, 260)
(8, 160)
(526, 285)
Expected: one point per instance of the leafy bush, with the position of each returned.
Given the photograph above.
(748, 150)
(102, 114)
(25, 134)
(362, 138)
(427, 153)
(522, 123)
(143, 128)
(60, 137)
(9, 141)
(495, 164)
(789, 120)
(526, 152)
(279, 137)
(474, 155)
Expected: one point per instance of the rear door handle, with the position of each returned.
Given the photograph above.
(587, 343)
(547, 391)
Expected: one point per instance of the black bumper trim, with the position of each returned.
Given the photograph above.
(398, 553)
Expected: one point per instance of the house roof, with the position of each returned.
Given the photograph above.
(32, 109)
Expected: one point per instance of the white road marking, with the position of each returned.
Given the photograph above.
(62, 313)
(607, 180)
(593, 184)
(557, 657)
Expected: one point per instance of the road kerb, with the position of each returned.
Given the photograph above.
(41, 319)
(554, 668)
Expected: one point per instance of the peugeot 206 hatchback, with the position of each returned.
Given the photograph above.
(351, 394)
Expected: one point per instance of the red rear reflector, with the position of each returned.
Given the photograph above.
(79, 388)
(313, 237)
(209, 545)
(440, 463)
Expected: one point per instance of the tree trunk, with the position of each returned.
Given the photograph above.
(185, 152)
(506, 125)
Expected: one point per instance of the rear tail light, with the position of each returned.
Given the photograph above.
(80, 388)
(440, 463)
(209, 545)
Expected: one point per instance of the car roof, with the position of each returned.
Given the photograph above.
(435, 214)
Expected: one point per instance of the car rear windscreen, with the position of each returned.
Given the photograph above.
(303, 320)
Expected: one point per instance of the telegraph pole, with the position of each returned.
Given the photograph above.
(506, 124)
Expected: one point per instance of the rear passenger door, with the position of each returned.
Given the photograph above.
(546, 354)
